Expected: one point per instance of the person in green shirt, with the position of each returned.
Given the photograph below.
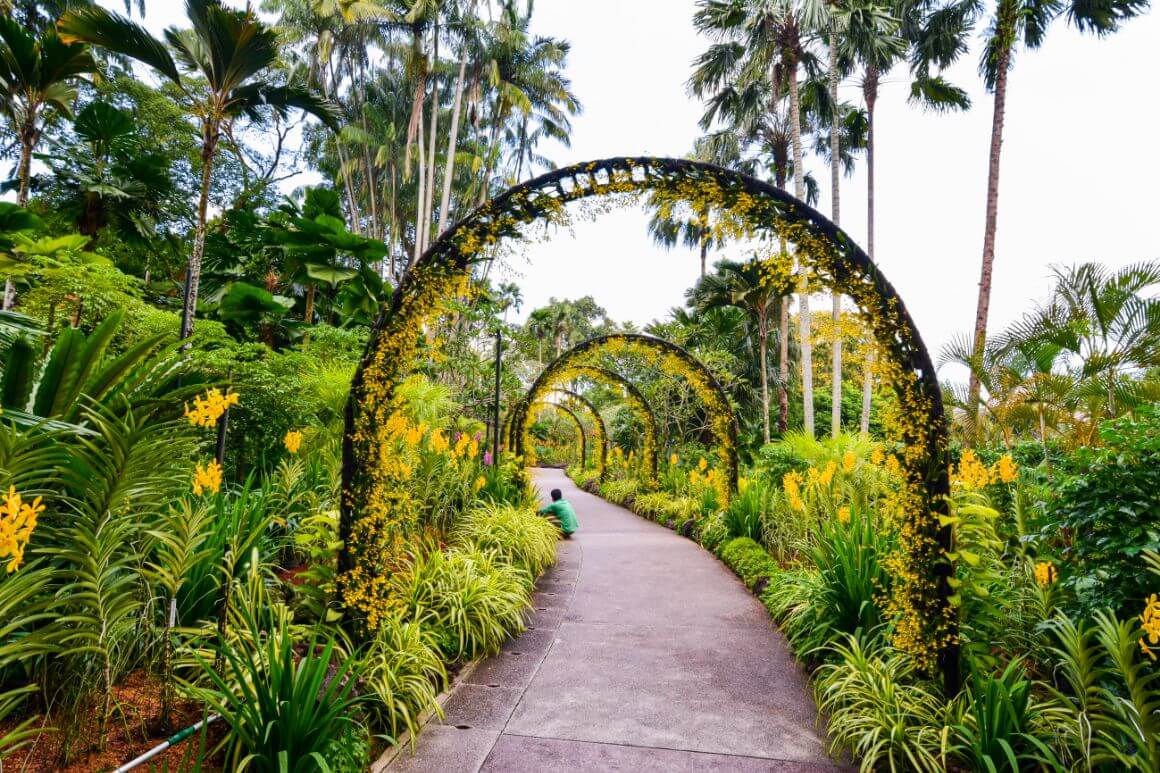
(561, 514)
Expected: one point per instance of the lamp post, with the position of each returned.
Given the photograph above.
(495, 415)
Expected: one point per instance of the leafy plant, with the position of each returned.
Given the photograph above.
(518, 536)
(284, 703)
(880, 711)
(999, 724)
(750, 562)
(403, 671)
(471, 599)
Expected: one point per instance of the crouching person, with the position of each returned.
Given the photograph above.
(560, 513)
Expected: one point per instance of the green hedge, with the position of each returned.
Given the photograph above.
(749, 561)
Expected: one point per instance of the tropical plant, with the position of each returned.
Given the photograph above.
(403, 671)
(1013, 21)
(517, 535)
(283, 705)
(233, 51)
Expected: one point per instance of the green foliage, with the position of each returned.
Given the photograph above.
(284, 703)
(839, 591)
(1000, 718)
(712, 532)
(1108, 512)
(749, 561)
(470, 599)
(518, 536)
(880, 711)
(745, 516)
(403, 671)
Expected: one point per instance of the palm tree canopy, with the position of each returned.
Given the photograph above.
(38, 70)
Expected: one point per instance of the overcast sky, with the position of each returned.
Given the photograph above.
(1079, 174)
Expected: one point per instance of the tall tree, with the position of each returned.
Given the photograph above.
(745, 286)
(38, 75)
(234, 52)
(1012, 22)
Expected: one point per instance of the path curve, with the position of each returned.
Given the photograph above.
(645, 654)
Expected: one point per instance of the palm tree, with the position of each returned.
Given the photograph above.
(767, 40)
(233, 51)
(1012, 21)
(1107, 321)
(745, 286)
(38, 74)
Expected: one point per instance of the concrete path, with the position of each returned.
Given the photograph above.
(644, 654)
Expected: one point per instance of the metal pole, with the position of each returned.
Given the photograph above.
(495, 415)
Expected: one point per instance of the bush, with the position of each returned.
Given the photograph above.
(284, 708)
(750, 562)
(1110, 513)
(712, 532)
(620, 492)
(470, 599)
(518, 536)
(838, 591)
(404, 673)
(746, 513)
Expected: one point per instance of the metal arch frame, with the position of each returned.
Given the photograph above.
(579, 428)
(728, 442)
(391, 348)
(519, 414)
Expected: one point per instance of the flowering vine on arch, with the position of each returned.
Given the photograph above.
(920, 597)
(561, 372)
(563, 409)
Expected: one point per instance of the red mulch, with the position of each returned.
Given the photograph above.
(132, 730)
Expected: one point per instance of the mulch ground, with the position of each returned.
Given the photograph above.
(132, 730)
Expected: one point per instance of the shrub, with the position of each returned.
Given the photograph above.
(879, 711)
(404, 673)
(620, 492)
(518, 536)
(837, 593)
(745, 515)
(1109, 513)
(712, 533)
(470, 599)
(749, 561)
(284, 707)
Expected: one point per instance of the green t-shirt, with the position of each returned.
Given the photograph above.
(564, 513)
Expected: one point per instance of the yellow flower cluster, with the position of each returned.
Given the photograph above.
(849, 461)
(17, 522)
(292, 441)
(207, 477)
(674, 460)
(792, 482)
(1045, 573)
(1150, 622)
(209, 408)
(844, 514)
(971, 474)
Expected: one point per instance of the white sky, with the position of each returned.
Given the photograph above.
(1078, 177)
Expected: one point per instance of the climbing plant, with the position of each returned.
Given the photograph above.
(920, 598)
(581, 433)
(563, 372)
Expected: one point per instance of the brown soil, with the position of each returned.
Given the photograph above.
(132, 730)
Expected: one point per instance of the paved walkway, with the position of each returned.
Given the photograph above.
(644, 654)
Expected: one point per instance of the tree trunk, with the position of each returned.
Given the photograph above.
(870, 92)
(429, 206)
(308, 317)
(835, 215)
(452, 144)
(193, 272)
(783, 370)
(763, 333)
(23, 175)
(420, 197)
(984, 304)
(867, 391)
(804, 326)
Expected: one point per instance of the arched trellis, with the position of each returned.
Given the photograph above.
(582, 402)
(673, 360)
(920, 593)
(579, 427)
(551, 378)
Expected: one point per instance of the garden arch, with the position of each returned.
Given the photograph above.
(920, 593)
(579, 401)
(575, 420)
(551, 377)
(672, 360)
